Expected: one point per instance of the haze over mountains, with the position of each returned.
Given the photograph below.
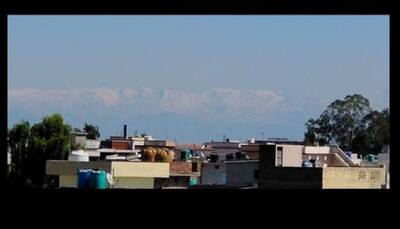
(165, 112)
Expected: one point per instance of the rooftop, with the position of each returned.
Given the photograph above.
(116, 168)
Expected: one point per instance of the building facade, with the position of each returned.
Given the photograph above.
(181, 174)
(131, 175)
(233, 173)
(272, 176)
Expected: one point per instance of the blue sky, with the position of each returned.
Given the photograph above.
(194, 78)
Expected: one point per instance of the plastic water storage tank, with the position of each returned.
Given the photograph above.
(98, 179)
(83, 178)
(79, 155)
(185, 154)
(372, 157)
(192, 181)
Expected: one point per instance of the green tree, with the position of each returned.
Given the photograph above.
(352, 124)
(318, 132)
(92, 131)
(49, 140)
(338, 123)
(373, 134)
(18, 137)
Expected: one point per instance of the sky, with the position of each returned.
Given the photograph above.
(194, 78)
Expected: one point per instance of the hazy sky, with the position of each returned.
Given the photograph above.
(194, 78)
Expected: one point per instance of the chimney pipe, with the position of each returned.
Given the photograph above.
(125, 131)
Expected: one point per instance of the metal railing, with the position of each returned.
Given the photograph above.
(343, 156)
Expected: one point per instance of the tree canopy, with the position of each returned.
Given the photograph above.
(92, 131)
(352, 124)
(32, 146)
(18, 137)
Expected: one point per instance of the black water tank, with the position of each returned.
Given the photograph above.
(214, 158)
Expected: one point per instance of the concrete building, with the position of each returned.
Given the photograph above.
(125, 174)
(213, 173)
(118, 147)
(79, 139)
(242, 173)
(181, 174)
(159, 143)
(282, 141)
(233, 173)
(384, 158)
(113, 143)
(325, 156)
(138, 141)
(92, 144)
(271, 175)
(251, 149)
(222, 150)
(289, 155)
(196, 151)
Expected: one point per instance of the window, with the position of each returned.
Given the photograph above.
(279, 156)
(325, 158)
(309, 157)
(317, 158)
(217, 167)
(194, 167)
